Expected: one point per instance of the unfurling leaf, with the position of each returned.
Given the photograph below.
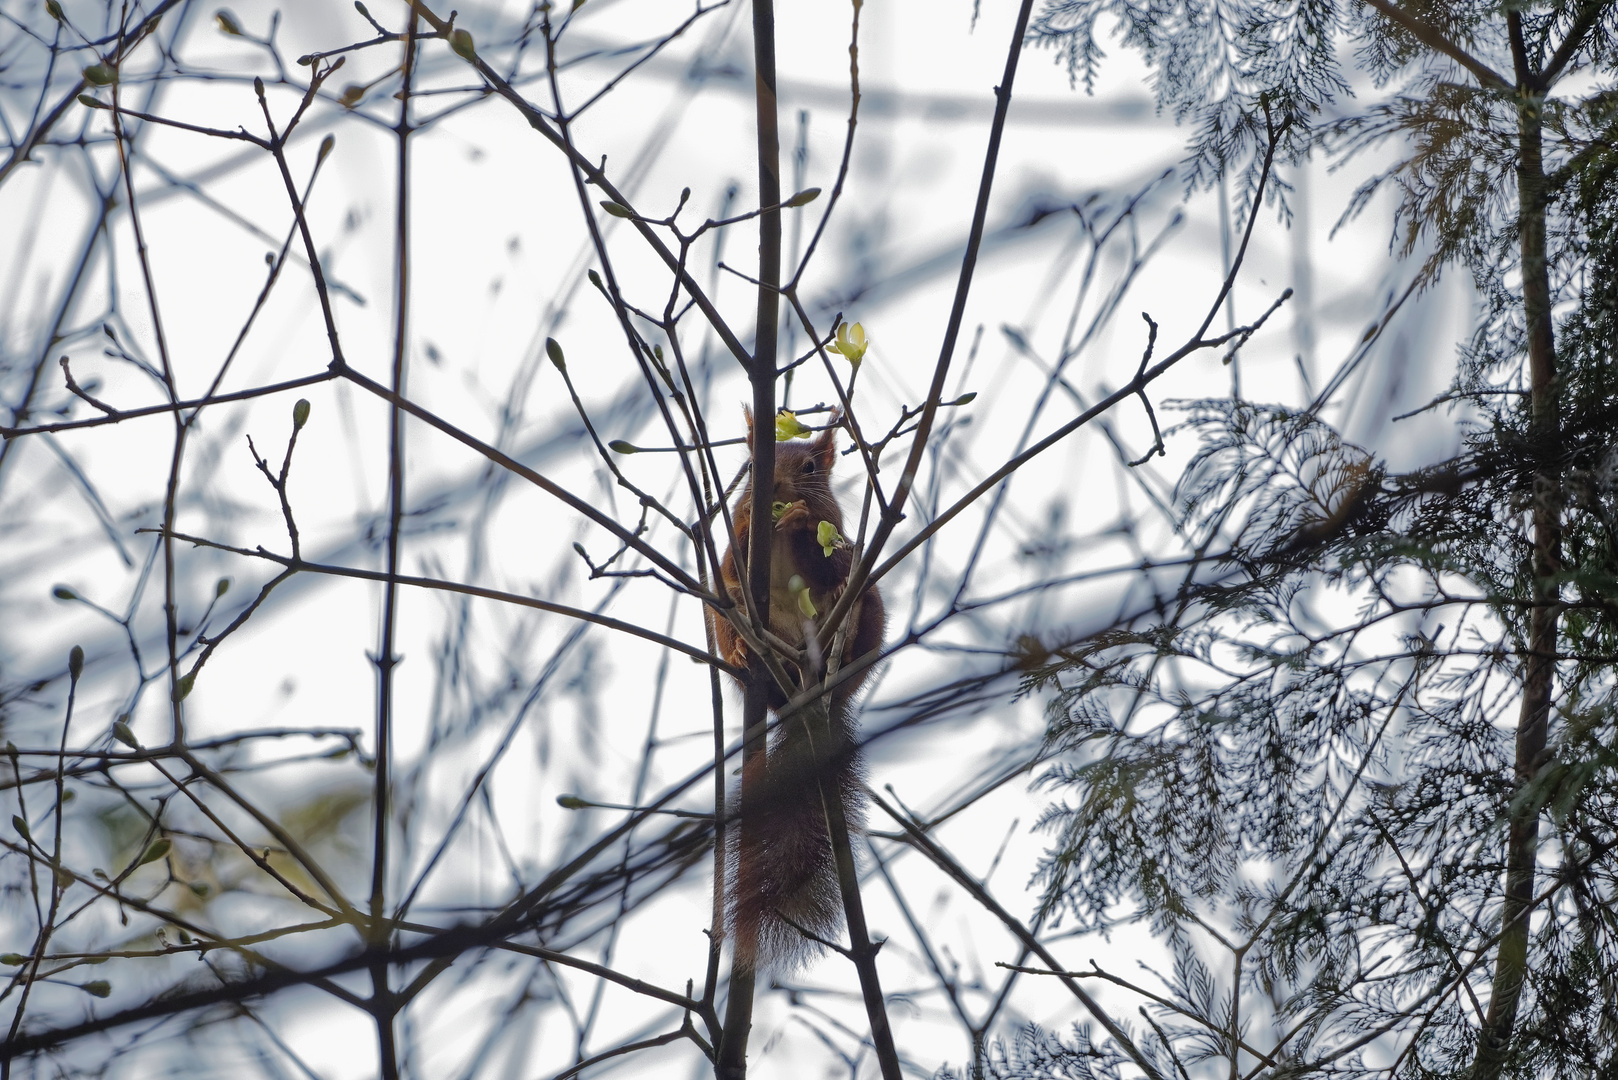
(827, 536)
(850, 343)
(777, 509)
(787, 426)
(182, 689)
(159, 848)
(800, 589)
(121, 732)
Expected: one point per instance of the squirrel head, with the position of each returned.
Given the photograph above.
(803, 469)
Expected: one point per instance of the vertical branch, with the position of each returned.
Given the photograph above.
(755, 699)
(1539, 667)
(383, 1006)
(171, 612)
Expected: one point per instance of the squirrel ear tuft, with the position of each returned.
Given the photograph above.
(825, 445)
(748, 412)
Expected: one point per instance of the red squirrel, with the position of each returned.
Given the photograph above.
(781, 868)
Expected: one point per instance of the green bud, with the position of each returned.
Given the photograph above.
(185, 938)
(97, 988)
(182, 689)
(462, 43)
(827, 536)
(964, 398)
(300, 414)
(21, 826)
(221, 587)
(621, 447)
(91, 103)
(571, 802)
(326, 146)
(553, 349)
(199, 888)
(351, 96)
(595, 279)
(160, 847)
(258, 86)
(12, 959)
(616, 209)
(62, 592)
(227, 22)
(53, 9)
(804, 197)
(362, 9)
(75, 662)
(777, 509)
(101, 74)
(122, 732)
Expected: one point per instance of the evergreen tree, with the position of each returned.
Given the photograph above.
(1369, 747)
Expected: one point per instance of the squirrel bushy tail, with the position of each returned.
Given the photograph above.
(783, 873)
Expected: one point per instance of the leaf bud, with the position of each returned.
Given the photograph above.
(75, 662)
(300, 414)
(101, 74)
(803, 198)
(553, 349)
(227, 22)
(461, 41)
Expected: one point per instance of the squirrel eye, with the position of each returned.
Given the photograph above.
(809, 466)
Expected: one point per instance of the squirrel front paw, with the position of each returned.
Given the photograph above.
(795, 516)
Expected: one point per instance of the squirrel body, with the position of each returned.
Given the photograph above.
(783, 879)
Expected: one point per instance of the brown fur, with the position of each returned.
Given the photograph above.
(781, 867)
